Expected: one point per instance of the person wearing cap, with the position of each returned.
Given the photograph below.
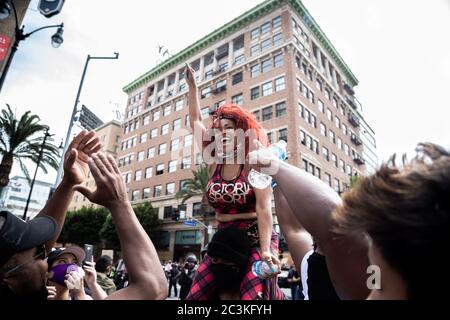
(147, 279)
(24, 245)
(187, 276)
(65, 274)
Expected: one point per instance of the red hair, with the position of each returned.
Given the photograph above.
(243, 120)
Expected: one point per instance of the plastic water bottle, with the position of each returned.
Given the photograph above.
(260, 180)
(263, 270)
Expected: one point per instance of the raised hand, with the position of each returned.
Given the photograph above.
(190, 77)
(76, 158)
(90, 273)
(111, 189)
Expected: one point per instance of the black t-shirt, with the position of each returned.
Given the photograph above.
(319, 282)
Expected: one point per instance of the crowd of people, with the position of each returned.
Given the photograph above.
(395, 222)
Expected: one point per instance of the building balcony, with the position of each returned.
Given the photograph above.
(359, 160)
(349, 89)
(351, 103)
(353, 119)
(356, 140)
(219, 89)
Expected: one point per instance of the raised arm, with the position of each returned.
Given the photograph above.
(195, 114)
(298, 239)
(75, 172)
(314, 202)
(147, 279)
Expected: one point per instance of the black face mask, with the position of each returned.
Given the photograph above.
(227, 277)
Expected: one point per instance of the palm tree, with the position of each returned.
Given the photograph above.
(22, 139)
(196, 186)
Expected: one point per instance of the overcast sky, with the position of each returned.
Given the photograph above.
(399, 51)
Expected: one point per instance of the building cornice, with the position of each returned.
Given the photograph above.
(238, 23)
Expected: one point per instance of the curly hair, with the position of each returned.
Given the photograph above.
(406, 212)
(243, 119)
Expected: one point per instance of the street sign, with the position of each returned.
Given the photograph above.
(88, 119)
(49, 8)
(190, 223)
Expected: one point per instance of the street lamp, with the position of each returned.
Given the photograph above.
(74, 111)
(5, 11)
(41, 152)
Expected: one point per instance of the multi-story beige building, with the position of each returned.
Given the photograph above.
(275, 61)
(109, 134)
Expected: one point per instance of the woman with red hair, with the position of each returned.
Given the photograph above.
(236, 203)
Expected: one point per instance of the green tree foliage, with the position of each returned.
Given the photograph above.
(83, 226)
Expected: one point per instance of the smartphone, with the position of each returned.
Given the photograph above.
(88, 249)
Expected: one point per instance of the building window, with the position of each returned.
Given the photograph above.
(266, 65)
(179, 105)
(170, 188)
(206, 92)
(337, 186)
(318, 84)
(148, 172)
(151, 152)
(164, 129)
(267, 113)
(153, 133)
(325, 153)
(344, 129)
(265, 27)
(186, 122)
(239, 60)
(237, 78)
(135, 195)
(197, 209)
(337, 122)
(254, 50)
(145, 193)
(157, 191)
(160, 169)
(257, 114)
(328, 179)
(349, 170)
(254, 93)
(209, 74)
(277, 39)
(162, 148)
(342, 165)
(335, 103)
(174, 144)
(208, 59)
(140, 156)
(332, 137)
(279, 84)
(205, 112)
(346, 149)
(323, 129)
(167, 110)
(280, 109)
(315, 146)
(267, 88)
(176, 124)
(282, 134)
(255, 33)
(173, 166)
(276, 22)
(266, 44)
(146, 120)
(254, 70)
(329, 115)
(238, 99)
(334, 160)
(183, 184)
(321, 106)
(327, 94)
(186, 163)
(339, 143)
(144, 137)
(188, 140)
(278, 60)
(138, 175)
(270, 137)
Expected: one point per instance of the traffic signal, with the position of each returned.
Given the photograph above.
(176, 215)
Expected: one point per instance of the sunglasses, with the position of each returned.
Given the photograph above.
(41, 253)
